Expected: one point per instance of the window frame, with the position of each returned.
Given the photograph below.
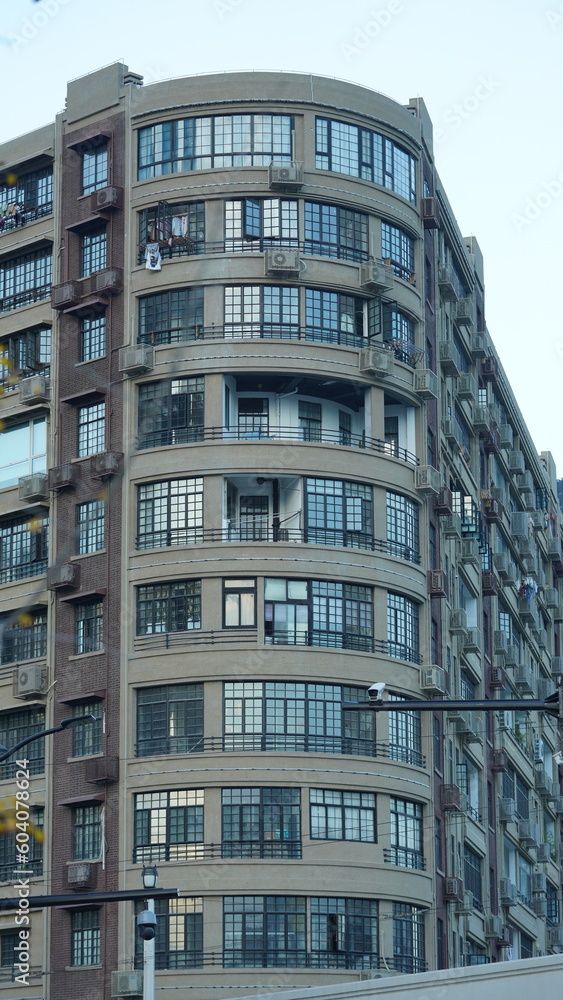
(89, 627)
(90, 526)
(168, 707)
(234, 587)
(91, 424)
(352, 811)
(94, 250)
(85, 938)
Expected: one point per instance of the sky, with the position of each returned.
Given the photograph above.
(490, 72)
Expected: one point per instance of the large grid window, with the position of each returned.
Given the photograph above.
(344, 933)
(169, 719)
(85, 937)
(408, 938)
(334, 318)
(86, 832)
(169, 607)
(405, 737)
(16, 726)
(337, 815)
(24, 353)
(402, 527)
(23, 547)
(179, 228)
(251, 223)
(25, 279)
(91, 519)
(9, 849)
(261, 823)
(170, 412)
(406, 834)
(318, 613)
(89, 625)
(402, 628)
(23, 636)
(168, 826)
(171, 317)
(95, 168)
(472, 875)
(331, 231)
(8, 942)
(92, 337)
(514, 787)
(261, 311)
(179, 934)
(359, 152)
(87, 736)
(93, 247)
(170, 513)
(261, 931)
(288, 717)
(338, 513)
(398, 247)
(91, 429)
(214, 141)
(24, 447)
(32, 191)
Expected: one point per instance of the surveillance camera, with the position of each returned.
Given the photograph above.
(375, 692)
(146, 922)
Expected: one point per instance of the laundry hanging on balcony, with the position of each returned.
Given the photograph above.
(153, 259)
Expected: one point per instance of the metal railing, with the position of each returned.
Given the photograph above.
(25, 297)
(319, 637)
(253, 958)
(29, 213)
(10, 378)
(195, 637)
(150, 854)
(404, 856)
(184, 246)
(253, 331)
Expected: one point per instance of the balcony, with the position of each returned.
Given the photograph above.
(405, 857)
(25, 298)
(29, 213)
(183, 246)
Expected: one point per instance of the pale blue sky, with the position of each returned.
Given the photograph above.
(490, 71)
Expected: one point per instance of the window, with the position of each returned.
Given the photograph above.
(526, 946)
(87, 736)
(337, 815)
(214, 141)
(338, 513)
(310, 420)
(8, 942)
(16, 726)
(262, 931)
(252, 223)
(95, 168)
(171, 317)
(408, 938)
(287, 717)
(24, 353)
(318, 613)
(344, 933)
(169, 719)
(239, 603)
(396, 329)
(402, 527)
(25, 279)
(23, 636)
(170, 513)
(398, 247)
(405, 740)
(253, 417)
(169, 607)
(33, 191)
(402, 628)
(333, 318)
(86, 832)
(514, 787)
(178, 228)
(91, 429)
(23, 547)
(85, 937)
(265, 311)
(168, 826)
(331, 231)
(552, 918)
(24, 448)
(91, 526)
(170, 412)
(9, 850)
(94, 245)
(261, 823)
(472, 877)
(92, 337)
(406, 834)
(179, 934)
(89, 622)
(360, 152)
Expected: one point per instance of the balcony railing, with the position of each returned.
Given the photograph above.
(319, 637)
(197, 637)
(25, 297)
(10, 378)
(253, 331)
(29, 213)
(184, 246)
(252, 958)
(152, 853)
(404, 856)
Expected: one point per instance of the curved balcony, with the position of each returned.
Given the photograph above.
(180, 246)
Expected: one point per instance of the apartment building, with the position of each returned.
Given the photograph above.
(258, 451)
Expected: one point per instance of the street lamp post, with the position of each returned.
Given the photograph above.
(147, 928)
(6, 752)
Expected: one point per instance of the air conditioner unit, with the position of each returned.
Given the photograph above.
(437, 583)
(81, 876)
(105, 199)
(62, 476)
(34, 390)
(499, 761)
(464, 314)
(557, 666)
(453, 889)
(470, 551)
(481, 418)
(105, 464)
(65, 295)
(524, 680)
(537, 518)
(492, 511)
(449, 358)
(286, 175)
(501, 565)
(543, 783)
(471, 727)
(539, 881)
(451, 797)
(508, 892)
(101, 770)
(500, 642)
(465, 906)
(489, 369)
(472, 641)
(458, 621)
(526, 484)
(551, 597)
(506, 811)
(497, 678)
(33, 489)
(447, 283)
(497, 493)
(29, 681)
(282, 262)
(539, 905)
(512, 655)
(478, 348)
(127, 984)
(62, 576)
(544, 853)
(427, 480)
(376, 276)
(555, 936)
(136, 360)
(429, 213)
(489, 584)
(506, 436)
(558, 805)
(443, 502)
(516, 462)
(451, 525)
(554, 551)
(109, 281)
(519, 524)
(425, 383)
(505, 939)
(528, 833)
(433, 680)
(527, 612)
(376, 361)
(466, 387)
(493, 926)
